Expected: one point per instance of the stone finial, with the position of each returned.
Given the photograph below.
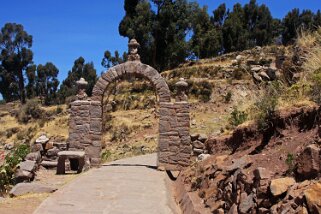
(133, 46)
(82, 85)
(181, 86)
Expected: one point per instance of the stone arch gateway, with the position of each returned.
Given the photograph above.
(85, 126)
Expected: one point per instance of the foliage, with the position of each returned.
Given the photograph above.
(109, 60)
(237, 117)
(120, 133)
(31, 110)
(228, 97)
(12, 159)
(315, 91)
(15, 56)
(105, 155)
(290, 162)
(266, 106)
(80, 69)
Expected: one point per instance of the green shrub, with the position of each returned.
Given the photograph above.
(290, 161)
(12, 159)
(237, 117)
(228, 97)
(31, 110)
(315, 91)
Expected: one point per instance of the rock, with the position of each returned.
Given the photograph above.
(281, 185)
(49, 145)
(263, 210)
(34, 156)
(239, 163)
(271, 73)
(313, 198)
(53, 152)
(203, 157)
(234, 62)
(8, 146)
(262, 173)
(264, 76)
(256, 69)
(27, 188)
(28, 165)
(257, 77)
(309, 162)
(239, 58)
(301, 210)
(36, 147)
(247, 202)
(42, 139)
(198, 144)
(202, 138)
(194, 136)
(49, 164)
(198, 151)
(233, 209)
(62, 146)
(21, 176)
(219, 211)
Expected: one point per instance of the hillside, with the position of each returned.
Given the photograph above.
(250, 108)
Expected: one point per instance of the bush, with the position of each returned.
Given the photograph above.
(120, 133)
(31, 110)
(11, 161)
(237, 117)
(228, 97)
(267, 104)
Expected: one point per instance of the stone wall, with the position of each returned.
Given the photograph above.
(174, 138)
(85, 129)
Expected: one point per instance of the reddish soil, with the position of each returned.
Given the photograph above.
(235, 157)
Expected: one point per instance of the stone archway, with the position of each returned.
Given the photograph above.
(174, 144)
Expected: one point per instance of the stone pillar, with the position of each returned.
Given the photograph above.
(85, 126)
(174, 152)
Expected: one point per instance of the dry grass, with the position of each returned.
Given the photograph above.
(310, 42)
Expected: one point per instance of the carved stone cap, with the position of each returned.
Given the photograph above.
(133, 46)
(82, 82)
(133, 43)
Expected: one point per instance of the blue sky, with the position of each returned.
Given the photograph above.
(63, 30)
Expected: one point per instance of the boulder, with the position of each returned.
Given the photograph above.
(27, 188)
(198, 151)
(256, 69)
(202, 138)
(28, 165)
(21, 176)
(42, 139)
(53, 152)
(262, 173)
(309, 162)
(198, 144)
(281, 185)
(194, 136)
(34, 156)
(247, 203)
(264, 76)
(36, 147)
(233, 209)
(49, 164)
(203, 157)
(313, 198)
(257, 77)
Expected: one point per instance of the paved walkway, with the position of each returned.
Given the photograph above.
(125, 186)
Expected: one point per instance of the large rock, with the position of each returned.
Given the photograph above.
(21, 176)
(42, 139)
(34, 156)
(262, 173)
(202, 138)
(281, 185)
(247, 203)
(198, 144)
(28, 165)
(53, 152)
(313, 198)
(309, 162)
(27, 188)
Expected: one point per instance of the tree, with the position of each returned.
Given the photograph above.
(109, 60)
(207, 39)
(79, 69)
(161, 30)
(47, 82)
(16, 56)
(317, 20)
(235, 34)
(31, 89)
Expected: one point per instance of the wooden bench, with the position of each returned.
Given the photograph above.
(76, 158)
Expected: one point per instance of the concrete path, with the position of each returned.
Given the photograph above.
(130, 185)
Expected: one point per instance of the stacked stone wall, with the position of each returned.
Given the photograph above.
(174, 138)
(85, 129)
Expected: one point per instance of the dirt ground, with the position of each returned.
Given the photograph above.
(28, 203)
